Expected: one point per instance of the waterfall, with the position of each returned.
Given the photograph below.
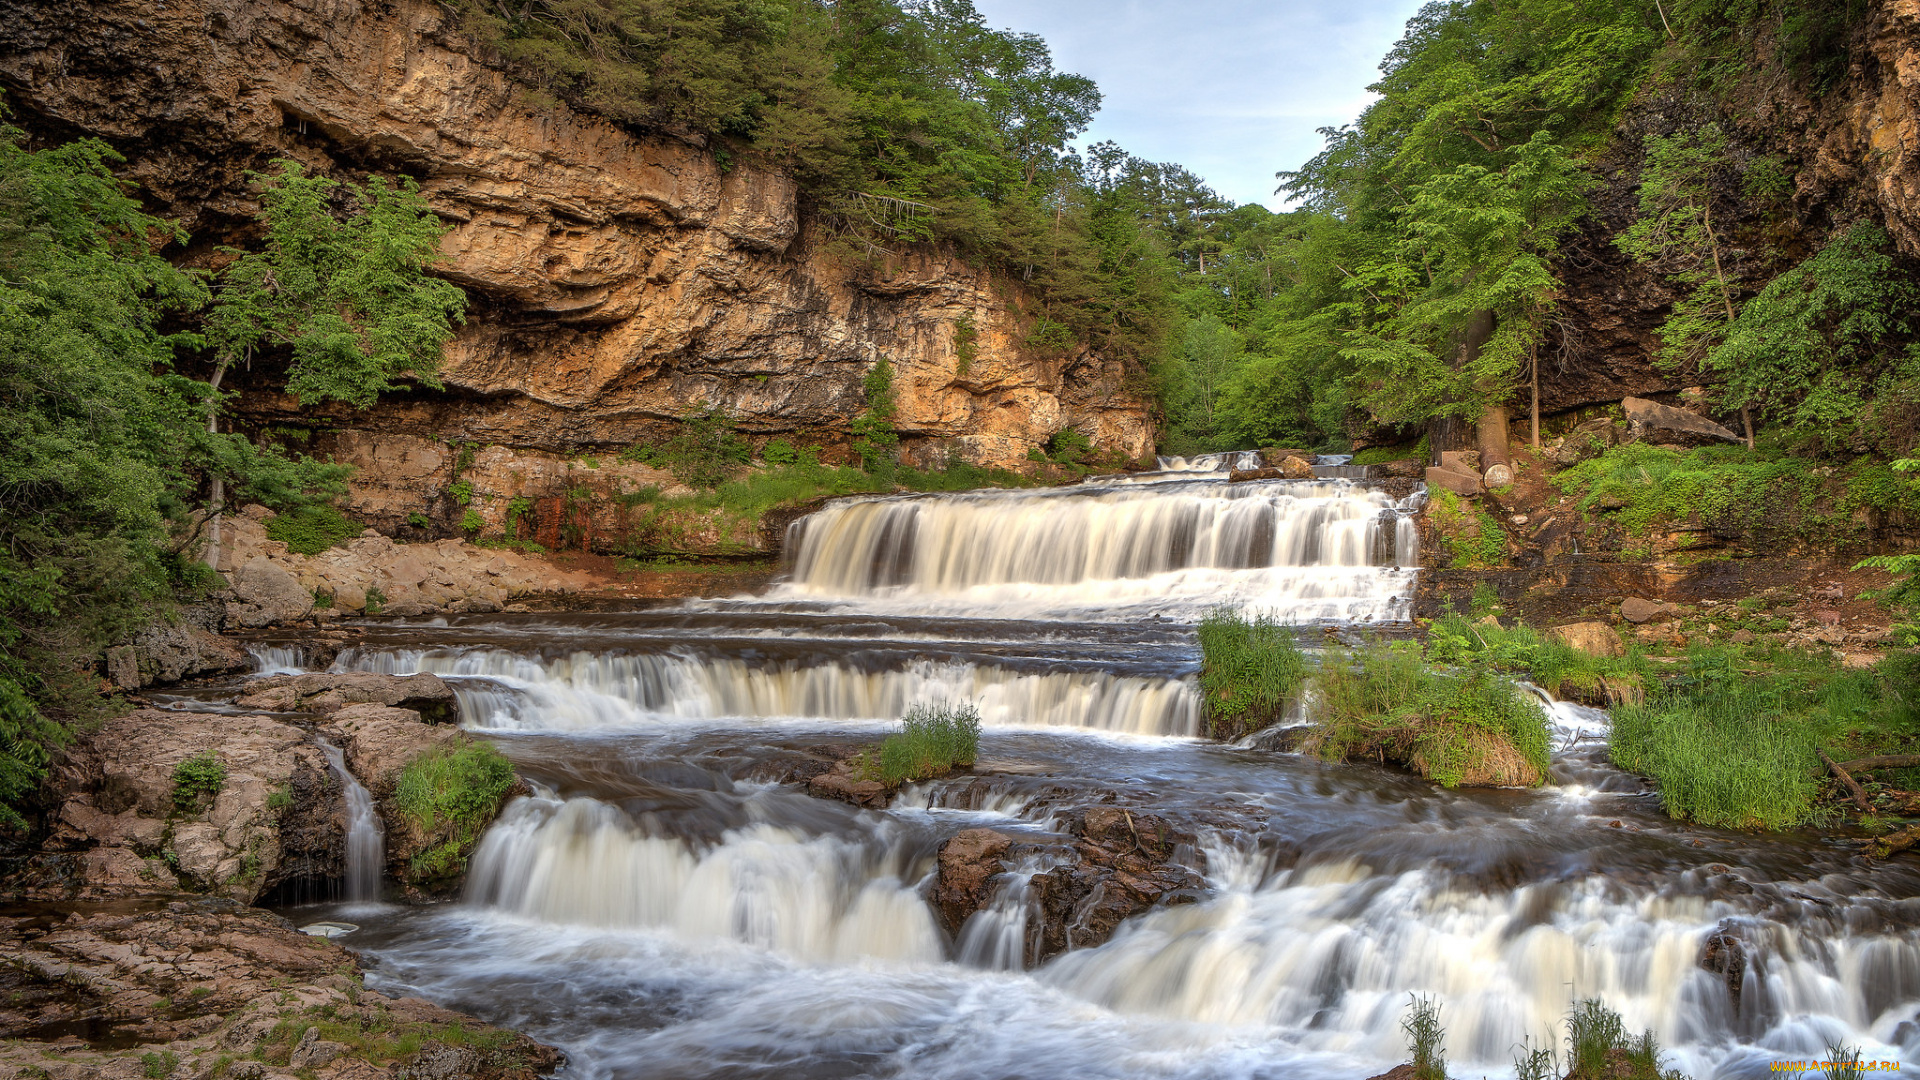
(278, 659)
(1296, 549)
(585, 862)
(1237, 459)
(366, 833)
(995, 937)
(584, 691)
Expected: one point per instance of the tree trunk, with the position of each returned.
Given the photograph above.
(218, 494)
(1491, 428)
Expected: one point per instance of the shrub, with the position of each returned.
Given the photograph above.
(873, 436)
(449, 797)
(1249, 672)
(471, 521)
(376, 600)
(1599, 1048)
(1380, 455)
(197, 781)
(779, 452)
(462, 492)
(1564, 671)
(934, 739)
(966, 343)
(311, 529)
(1471, 536)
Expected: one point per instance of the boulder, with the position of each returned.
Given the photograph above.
(1127, 862)
(1296, 468)
(377, 741)
(1651, 421)
(266, 594)
(328, 692)
(1460, 483)
(1637, 610)
(166, 652)
(1236, 476)
(1592, 638)
(968, 864)
(117, 806)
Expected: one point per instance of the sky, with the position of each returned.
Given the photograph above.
(1231, 89)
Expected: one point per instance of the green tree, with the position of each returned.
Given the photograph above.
(874, 439)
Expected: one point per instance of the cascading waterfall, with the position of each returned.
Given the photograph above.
(585, 691)
(1294, 549)
(278, 659)
(1237, 459)
(366, 833)
(696, 923)
(584, 862)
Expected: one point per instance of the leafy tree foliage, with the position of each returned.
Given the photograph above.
(347, 295)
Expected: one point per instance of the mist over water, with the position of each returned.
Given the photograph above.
(669, 903)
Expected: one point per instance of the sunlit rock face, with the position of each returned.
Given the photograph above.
(618, 280)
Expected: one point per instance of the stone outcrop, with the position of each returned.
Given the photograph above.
(123, 828)
(171, 649)
(375, 575)
(223, 989)
(1120, 863)
(1592, 638)
(1653, 422)
(620, 281)
(328, 692)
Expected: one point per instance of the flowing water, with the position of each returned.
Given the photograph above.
(366, 853)
(668, 904)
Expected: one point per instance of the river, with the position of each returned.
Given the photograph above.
(664, 906)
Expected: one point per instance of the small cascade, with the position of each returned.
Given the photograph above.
(1237, 459)
(1298, 550)
(366, 833)
(584, 862)
(585, 691)
(278, 659)
(995, 937)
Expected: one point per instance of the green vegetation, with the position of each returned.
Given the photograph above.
(344, 296)
(376, 1035)
(1380, 455)
(1735, 741)
(1599, 1048)
(1425, 1038)
(874, 440)
(1519, 650)
(448, 798)
(704, 453)
(1388, 702)
(966, 343)
(311, 529)
(1250, 672)
(1473, 537)
(158, 1066)
(933, 740)
(1768, 497)
(1904, 594)
(197, 782)
(1385, 701)
(115, 461)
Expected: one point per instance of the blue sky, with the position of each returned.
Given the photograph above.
(1232, 89)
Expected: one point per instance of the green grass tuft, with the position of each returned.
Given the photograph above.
(197, 781)
(449, 797)
(934, 739)
(1250, 671)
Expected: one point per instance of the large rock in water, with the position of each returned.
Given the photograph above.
(122, 828)
(1651, 421)
(329, 692)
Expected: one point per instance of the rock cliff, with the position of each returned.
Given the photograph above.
(619, 280)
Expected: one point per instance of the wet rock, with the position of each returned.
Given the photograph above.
(1296, 468)
(1651, 421)
(208, 979)
(266, 594)
(166, 652)
(1591, 638)
(330, 692)
(842, 783)
(968, 862)
(1236, 476)
(1637, 610)
(132, 833)
(1726, 956)
(1125, 863)
(1398, 1072)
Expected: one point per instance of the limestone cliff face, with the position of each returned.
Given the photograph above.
(619, 280)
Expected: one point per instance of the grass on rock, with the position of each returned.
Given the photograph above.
(449, 797)
(1252, 670)
(933, 740)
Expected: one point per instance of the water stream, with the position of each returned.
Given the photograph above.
(666, 905)
(366, 840)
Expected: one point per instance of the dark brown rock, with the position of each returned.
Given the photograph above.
(1124, 866)
(968, 863)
